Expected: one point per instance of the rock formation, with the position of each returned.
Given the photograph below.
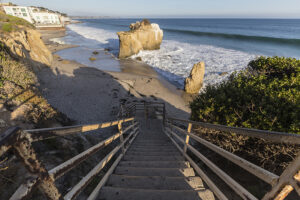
(142, 36)
(194, 82)
(28, 46)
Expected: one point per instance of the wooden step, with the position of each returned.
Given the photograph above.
(171, 148)
(151, 138)
(153, 153)
(141, 171)
(156, 182)
(155, 164)
(152, 143)
(114, 193)
(152, 158)
(153, 146)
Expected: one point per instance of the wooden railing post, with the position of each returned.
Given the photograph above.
(171, 127)
(187, 138)
(135, 110)
(284, 186)
(145, 110)
(24, 150)
(164, 115)
(121, 137)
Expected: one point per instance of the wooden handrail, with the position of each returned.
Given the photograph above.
(21, 141)
(281, 186)
(15, 137)
(85, 180)
(253, 169)
(240, 190)
(66, 130)
(286, 180)
(271, 136)
(70, 164)
(206, 179)
(95, 192)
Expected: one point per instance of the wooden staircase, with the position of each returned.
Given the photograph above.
(153, 168)
(154, 159)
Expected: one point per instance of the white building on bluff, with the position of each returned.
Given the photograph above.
(35, 16)
(18, 11)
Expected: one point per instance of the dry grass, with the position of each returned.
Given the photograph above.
(16, 72)
(17, 89)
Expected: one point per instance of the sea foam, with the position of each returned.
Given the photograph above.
(174, 60)
(104, 38)
(58, 40)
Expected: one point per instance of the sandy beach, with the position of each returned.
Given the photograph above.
(89, 95)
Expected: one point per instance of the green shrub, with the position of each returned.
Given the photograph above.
(7, 27)
(10, 22)
(264, 96)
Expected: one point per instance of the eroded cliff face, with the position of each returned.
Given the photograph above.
(28, 46)
(142, 36)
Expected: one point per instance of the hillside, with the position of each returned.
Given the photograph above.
(22, 52)
(10, 23)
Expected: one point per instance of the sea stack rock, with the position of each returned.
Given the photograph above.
(194, 82)
(142, 36)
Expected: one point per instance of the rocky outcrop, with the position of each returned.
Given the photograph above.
(194, 82)
(28, 46)
(142, 36)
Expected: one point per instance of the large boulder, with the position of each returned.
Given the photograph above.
(142, 36)
(194, 82)
(28, 46)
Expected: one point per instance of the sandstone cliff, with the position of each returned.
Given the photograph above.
(194, 82)
(27, 45)
(142, 36)
(22, 53)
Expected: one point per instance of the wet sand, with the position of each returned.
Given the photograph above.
(89, 95)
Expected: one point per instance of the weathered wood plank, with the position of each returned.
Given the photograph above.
(240, 190)
(85, 180)
(271, 136)
(259, 172)
(206, 179)
(96, 191)
(286, 177)
(67, 130)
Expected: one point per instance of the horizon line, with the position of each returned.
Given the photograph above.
(179, 17)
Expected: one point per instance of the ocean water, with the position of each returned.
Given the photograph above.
(225, 45)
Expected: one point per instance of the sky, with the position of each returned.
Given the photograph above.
(173, 8)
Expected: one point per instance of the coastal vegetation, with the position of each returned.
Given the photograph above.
(21, 53)
(264, 96)
(19, 94)
(10, 23)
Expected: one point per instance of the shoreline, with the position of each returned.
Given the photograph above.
(68, 82)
